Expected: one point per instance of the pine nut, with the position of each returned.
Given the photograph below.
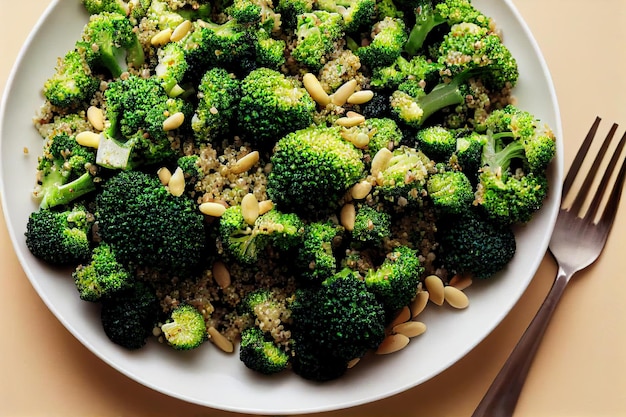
(341, 95)
(455, 297)
(95, 116)
(265, 206)
(361, 190)
(402, 316)
(212, 209)
(361, 141)
(419, 303)
(164, 175)
(410, 328)
(461, 281)
(176, 184)
(174, 121)
(162, 37)
(380, 161)
(353, 114)
(220, 340)
(88, 139)
(435, 288)
(180, 31)
(249, 208)
(245, 163)
(315, 89)
(392, 343)
(353, 362)
(350, 121)
(361, 97)
(347, 216)
(221, 275)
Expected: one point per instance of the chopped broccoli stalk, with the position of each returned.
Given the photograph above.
(103, 277)
(60, 237)
(185, 329)
(72, 83)
(260, 353)
(450, 191)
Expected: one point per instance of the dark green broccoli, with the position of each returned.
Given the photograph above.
(450, 191)
(378, 107)
(185, 329)
(312, 168)
(316, 258)
(60, 237)
(129, 318)
(316, 36)
(171, 68)
(395, 281)
(290, 10)
(245, 243)
(472, 244)
(430, 14)
(190, 165)
(72, 83)
(103, 277)
(147, 226)
(437, 142)
(388, 38)
(137, 109)
(109, 42)
(371, 226)
(333, 324)
(257, 12)
(259, 353)
(468, 154)
(66, 171)
(218, 96)
(357, 14)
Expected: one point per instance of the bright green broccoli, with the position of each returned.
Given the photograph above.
(66, 171)
(103, 277)
(356, 14)
(218, 96)
(395, 281)
(185, 329)
(133, 8)
(147, 226)
(381, 132)
(437, 142)
(60, 237)
(290, 9)
(260, 353)
(109, 42)
(269, 52)
(468, 154)
(450, 191)
(417, 68)
(371, 226)
(129, 318)
(171, 68)
(472, 244)
(312, 168)
(388, 38)
(316, 257)
(333, 324)
(164, 15)
(316, 36)
(72, 82)
(255, 12)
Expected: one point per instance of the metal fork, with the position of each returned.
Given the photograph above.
(577, 241)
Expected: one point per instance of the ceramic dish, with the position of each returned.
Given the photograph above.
(218, 380)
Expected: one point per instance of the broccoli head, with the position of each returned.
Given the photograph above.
(290, 10)
(388, 38)
(371, 226)
(437, 142)
(185, 329)
(356, 14)
(259, 352)
(72, 83)
(450, 191)
(316, 257)
(316, 36)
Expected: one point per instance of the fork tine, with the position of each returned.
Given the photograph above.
(595, 167)
(578, 160)
(597, 198)
(608, 215)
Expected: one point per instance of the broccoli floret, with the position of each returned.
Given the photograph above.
(171, 68)
(388, 8)
(260, 353)
(325, 164)
(289, 11)
(468, 154)
(381, 132)
(147, 226)
(316, 258)
(371, 226)
(60, 237)
(257, 12)
(332, 324)
(103, 277)
(316, 36)
(66, 171)
(472, 244)
(108, 42)
(136, 109)
(388, 38)
(395, 281)
(129, 318)
(165, 16)
(269, 52)
(431, 14)
(245, 242)
(356, 14)
(450, 191)
(404, 178)
(72, 82)
(190, 165)
(377, 107)
(133, 8)
(185, 329)
(418, 68)
(271, 105)
(437, 142)
(218, 95)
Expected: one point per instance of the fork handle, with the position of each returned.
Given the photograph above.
(502, 396)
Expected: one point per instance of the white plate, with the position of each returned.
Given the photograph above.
(218, 380)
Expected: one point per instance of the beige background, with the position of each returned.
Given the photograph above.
(580, 369)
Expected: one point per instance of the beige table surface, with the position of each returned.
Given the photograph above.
(580, 369)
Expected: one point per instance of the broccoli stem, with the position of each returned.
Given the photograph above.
(423, 26)
(56, 193)
(113, 154)
(442, 96)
